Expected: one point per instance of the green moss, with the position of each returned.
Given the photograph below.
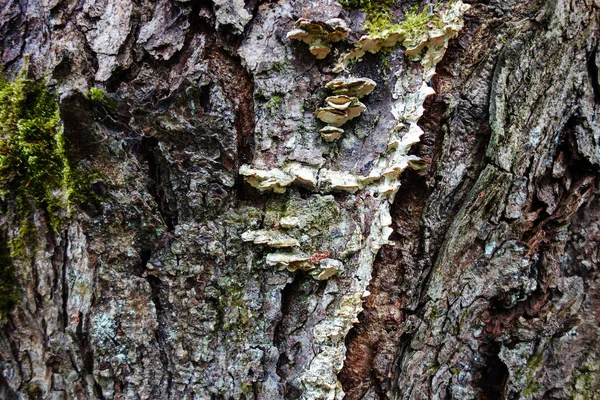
(35, 167)
(383, 55)
(275, 100)
(97, 94)
(8, 281)
(531, 385)
(31, 158)
(379, 17)
(378, 13)
(417, 23)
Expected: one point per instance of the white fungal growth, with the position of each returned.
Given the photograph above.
(319, 35)
(379, 185)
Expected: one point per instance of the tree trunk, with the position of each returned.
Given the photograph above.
(230, 252)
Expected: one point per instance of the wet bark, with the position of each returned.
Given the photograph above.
(488, 286)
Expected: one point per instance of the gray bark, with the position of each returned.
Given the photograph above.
(488, 286)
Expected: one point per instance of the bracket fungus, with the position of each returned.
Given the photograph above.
(327, 268)
(342, 112)
(370, 44)
(292, 261)
(420, 30)
(275, 179)
(331, 133)
(356, 87)
(319, 35)
(343, 105)
(269, 238)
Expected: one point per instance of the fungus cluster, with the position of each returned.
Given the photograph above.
(343, 105)
(319, 35)
(370, 44)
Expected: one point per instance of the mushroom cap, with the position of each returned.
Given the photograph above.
(317, 28)
(332, 116)
(308, 31)
(357, 87)
(300, 34)
(390, 39)
(319, 49)
(331, 133)
(336, 117)
(369, 43)
(284, 260)
(355, 110)
(341, 102)
(339, 29)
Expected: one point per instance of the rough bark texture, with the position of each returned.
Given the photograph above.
(488, 286)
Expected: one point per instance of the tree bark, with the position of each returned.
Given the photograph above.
(477, 278)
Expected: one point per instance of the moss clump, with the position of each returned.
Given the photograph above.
(418, 22)
(379, 17)
(8, 281)
(35, 163)
(275, 101)
(97, 94)
(32, 159)
(35, 171)
(378, 13)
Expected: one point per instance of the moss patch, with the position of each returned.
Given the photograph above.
(417, 22)
(8, 281)
(31, 157)
(97, 94)
(35, 169)
(378, 13)
(379, 17)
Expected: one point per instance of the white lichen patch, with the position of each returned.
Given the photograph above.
(437, 41)
(320, 379)
(319, 35)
